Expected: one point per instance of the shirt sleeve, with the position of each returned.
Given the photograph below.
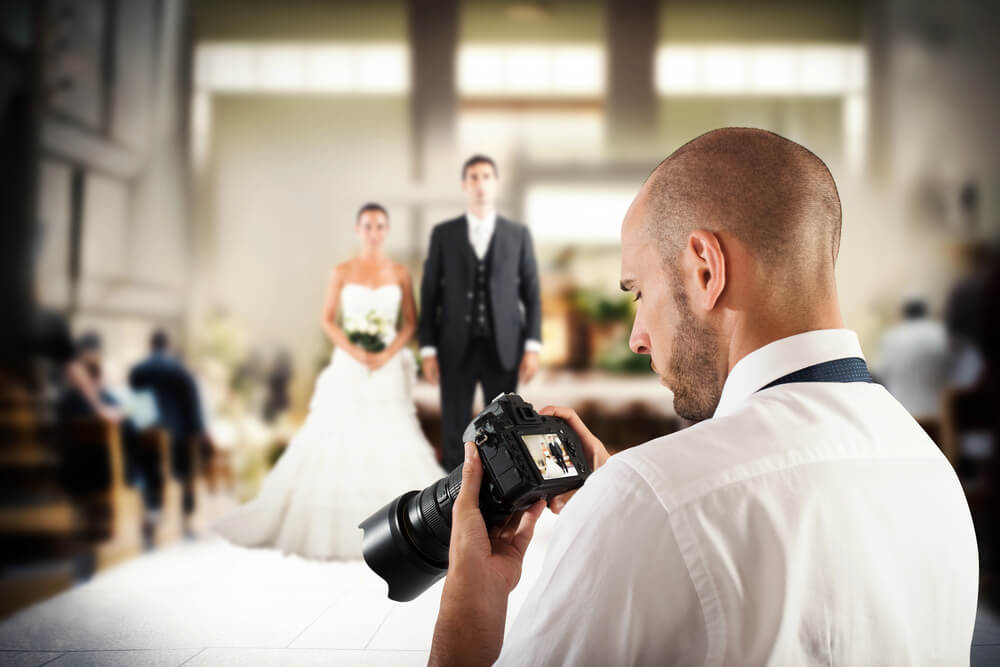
(532, 345)
(428, 351)
(614, 588)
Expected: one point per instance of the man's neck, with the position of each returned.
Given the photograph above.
(482, 212)
(755, 330)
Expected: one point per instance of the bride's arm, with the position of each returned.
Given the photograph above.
(409, 326)
(330, 307)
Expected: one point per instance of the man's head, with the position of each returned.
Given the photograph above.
(159, 341)
(730, 244)
(479, 181)
(914, 309)
(88, 347)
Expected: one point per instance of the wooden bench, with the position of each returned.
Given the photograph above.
(93, 472)
(40, 528)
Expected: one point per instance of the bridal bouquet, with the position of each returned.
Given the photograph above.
(368, 333)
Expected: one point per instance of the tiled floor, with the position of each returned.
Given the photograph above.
(207, 603)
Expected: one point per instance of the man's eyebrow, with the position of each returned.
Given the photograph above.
(626, 285)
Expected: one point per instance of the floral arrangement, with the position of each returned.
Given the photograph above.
(368, 333)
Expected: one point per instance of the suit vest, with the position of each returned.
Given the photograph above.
(482, 312)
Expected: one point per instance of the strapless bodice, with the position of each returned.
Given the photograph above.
(357, 301)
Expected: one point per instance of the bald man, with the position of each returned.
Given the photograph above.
(806, 519)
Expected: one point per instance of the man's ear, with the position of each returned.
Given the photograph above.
(705, 251)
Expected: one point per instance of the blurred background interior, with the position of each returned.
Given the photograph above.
(191, 168)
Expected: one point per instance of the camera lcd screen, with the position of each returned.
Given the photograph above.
(550, 455)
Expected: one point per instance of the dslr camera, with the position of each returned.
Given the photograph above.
(525, 456)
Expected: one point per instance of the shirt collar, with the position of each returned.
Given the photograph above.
(481, 223)
(781, 357)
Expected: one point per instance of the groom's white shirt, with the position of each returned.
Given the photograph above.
(480, 234)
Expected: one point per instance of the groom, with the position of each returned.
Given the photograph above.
(480, 311)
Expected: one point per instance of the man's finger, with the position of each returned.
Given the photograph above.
(568, 414)
(510, 526)
(526, 526)
(557, 503)
(472, 478)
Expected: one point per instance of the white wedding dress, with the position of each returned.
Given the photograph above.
(360, 446)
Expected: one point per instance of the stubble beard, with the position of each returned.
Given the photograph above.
(694, 365)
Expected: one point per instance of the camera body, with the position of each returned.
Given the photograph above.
(526, 456)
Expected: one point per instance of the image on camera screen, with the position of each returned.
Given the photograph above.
(550, 455)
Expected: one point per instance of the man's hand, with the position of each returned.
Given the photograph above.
(430, 367)
(484, 566)
(593, 449)
(110, 414)
(528, 368)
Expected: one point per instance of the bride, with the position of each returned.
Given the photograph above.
(361, 444)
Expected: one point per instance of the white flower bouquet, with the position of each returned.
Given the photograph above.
(368, 333)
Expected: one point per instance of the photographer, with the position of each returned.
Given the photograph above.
(807, 519)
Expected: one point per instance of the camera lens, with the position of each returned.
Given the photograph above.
(406, 542)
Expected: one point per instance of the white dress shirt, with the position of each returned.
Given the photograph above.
(480, 232)
(805, 524)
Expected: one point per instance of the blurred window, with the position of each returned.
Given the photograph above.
(785, 71)
(302, 68)
(540, 135)
(577, 213)
(531, 70)
(703, 70)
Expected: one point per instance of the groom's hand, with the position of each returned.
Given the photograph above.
(430, 367)
(529, 366)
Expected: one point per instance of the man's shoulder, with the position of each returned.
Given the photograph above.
(512, 225)
(448, 225)
(616, 489)
(143, 365)
(687, 464)
(783, 428)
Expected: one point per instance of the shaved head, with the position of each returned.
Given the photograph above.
(730, 244)
(773, 195)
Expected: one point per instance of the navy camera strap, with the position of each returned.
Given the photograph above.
(849, 369)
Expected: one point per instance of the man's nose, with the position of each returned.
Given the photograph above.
(638, 341)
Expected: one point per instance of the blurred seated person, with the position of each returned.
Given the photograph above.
(140, 471)
(178, 406)
(964, 314)
(53, 344)
(915, 360)
(278, 377)
(73, 402)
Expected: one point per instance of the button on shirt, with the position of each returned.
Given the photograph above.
(807, 523)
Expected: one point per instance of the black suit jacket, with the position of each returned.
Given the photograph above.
(447, 284)
(176, 395)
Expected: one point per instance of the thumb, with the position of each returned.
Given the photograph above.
(472, 479)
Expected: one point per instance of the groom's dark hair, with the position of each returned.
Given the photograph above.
(479, 158)
(371, 206)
